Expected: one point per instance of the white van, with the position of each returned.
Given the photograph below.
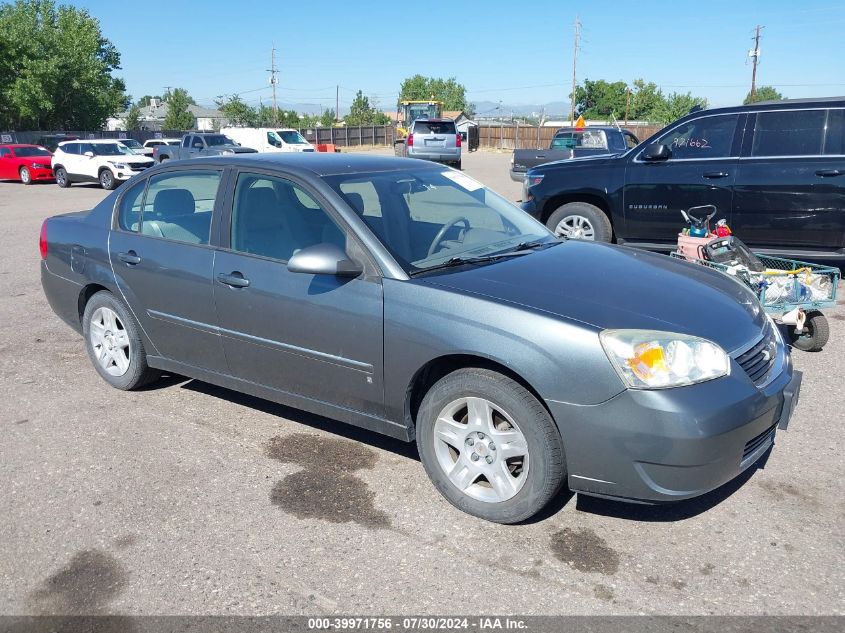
(265, 139)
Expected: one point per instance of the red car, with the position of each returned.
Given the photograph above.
(26, 163)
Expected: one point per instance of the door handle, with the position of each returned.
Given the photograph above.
(829, 173)
(716, 174)
(234, 280)
(129, 258)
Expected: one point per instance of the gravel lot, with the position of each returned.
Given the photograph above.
(190, 499)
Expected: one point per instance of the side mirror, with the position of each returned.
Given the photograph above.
(89, 154)
(324, 259)
(656, 151)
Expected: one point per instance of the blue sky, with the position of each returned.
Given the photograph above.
(510, 51)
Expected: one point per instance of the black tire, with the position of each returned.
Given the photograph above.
(138, 373)
(815, 335)
(163, 159)
(598, 220)
(107, 179)
(62, 178)
(26, 176)
(546, 463)
(458, 165)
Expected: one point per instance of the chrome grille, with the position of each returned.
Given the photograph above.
(758, 361)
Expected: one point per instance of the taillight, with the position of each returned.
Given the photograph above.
(457, 140)
(410, 140)
(42, 241)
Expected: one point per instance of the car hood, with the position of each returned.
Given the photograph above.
(608, 286)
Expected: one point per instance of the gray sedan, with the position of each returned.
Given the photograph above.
(404, 297)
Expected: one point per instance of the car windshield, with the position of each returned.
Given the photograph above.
(110, 149)
(31, 151)
(292, 137)
(213, 140)
(131, 142)
(426, 217)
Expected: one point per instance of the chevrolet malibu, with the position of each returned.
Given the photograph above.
(406, 298)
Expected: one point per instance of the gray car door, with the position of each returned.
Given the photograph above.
(317, 336)
(160, 254)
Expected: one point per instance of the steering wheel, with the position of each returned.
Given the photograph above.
(442, 233)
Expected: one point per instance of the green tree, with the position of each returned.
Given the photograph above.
(601, 99)
(449, 91)
(133, 118)
(676, 105)
(178, 117)
(56, 68)
(763, 93)
(362, 113)
(328, 118)
(238, 112)
(645, 99)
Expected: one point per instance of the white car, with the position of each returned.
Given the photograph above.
(152, 143)
(108, 162)
(136, 147)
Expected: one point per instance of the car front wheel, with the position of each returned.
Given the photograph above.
(107, 180)
(26, 177)
(62, 178)
(113, 342)
(489, 446)
(581, 221)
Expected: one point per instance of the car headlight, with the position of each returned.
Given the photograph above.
(649, 359)
(118, 165)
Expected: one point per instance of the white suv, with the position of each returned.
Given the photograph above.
(103, 161)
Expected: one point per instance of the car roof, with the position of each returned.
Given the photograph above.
(319, 163)
(13, 145)
(95, 141)
(434, 120)
(763, 106)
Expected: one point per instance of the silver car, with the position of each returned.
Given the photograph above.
(434, 139)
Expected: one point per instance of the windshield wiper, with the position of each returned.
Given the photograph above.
(527, 246)
(464, 261)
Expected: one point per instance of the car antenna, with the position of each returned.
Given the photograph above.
(615, 122)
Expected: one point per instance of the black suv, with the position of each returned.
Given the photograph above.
(775, 171)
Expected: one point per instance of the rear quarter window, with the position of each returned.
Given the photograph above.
(129, 211)
(789, 133)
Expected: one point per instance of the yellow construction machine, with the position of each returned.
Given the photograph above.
(410, 111)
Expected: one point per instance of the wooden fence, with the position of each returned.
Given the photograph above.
(532, 137)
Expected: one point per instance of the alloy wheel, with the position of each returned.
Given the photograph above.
(106, 179)
(25, 175)
(481, 449)
(110, 341)
(575, 227)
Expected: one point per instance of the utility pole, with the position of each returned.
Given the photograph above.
(754, 54)
(336, 103)
(576, 43)
(273, 81)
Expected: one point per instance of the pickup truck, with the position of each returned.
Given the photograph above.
(568, 143)
(775, 171)
(200, 144)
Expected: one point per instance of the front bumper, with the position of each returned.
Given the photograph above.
(517, 176)
(673, 444)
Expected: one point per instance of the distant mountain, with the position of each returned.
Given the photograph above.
(553, 109)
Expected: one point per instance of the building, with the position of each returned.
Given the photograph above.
(153, 115)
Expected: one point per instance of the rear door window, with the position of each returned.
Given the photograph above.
(789, 133)
(178, 205)
(129, 212)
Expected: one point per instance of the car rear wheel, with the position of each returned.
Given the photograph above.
(107, 180)
(62, 178)
(582, 221)
(489, 446)
(113, 342)
(458, 165)
(26, 177)
(815, 335)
